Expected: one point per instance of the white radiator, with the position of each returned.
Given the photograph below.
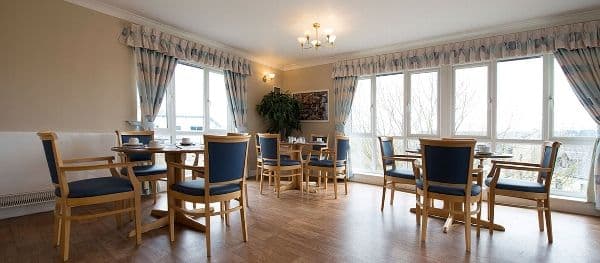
(24, 199)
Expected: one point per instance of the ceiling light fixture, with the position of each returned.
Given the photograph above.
(306, 42)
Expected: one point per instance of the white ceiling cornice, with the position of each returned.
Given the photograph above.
(138, 19)
(526, 25)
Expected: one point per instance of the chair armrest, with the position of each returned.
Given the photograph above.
(90, 159)
(515, 163)
(524, 168)
(477, 170)
(397, 158)
(186, 167)
(94, 167)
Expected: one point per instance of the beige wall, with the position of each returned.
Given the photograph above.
(63, 68)
(312, 78)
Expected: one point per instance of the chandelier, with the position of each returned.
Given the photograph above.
(306, 42)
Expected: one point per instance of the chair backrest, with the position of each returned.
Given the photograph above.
(315, 137)
(447, 162)
(386, 145)
(225, 158)
(269, 146)
(342, 147)
(549, 155)
(53, 158)
(143, 136)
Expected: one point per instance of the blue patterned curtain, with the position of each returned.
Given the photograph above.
(343, 90)
(235, 83)
(154, 72)
(582, 68)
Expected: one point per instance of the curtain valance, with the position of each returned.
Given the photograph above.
(528, 43)
(140, 36)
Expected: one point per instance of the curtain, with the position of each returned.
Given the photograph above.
(235, 83)
(138, 36)
(154, 72)
(343, 92)
(528, 43)
(582, 68)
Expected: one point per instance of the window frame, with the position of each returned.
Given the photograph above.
(171, 129)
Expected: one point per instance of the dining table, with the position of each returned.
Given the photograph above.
(452, 218)
(175, 154)
(295, 153)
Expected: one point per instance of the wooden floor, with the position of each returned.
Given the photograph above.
(315, 228)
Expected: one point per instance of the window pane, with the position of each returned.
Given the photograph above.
(189, 97)
(520, 98)
(161, 116)
(522, 152)
(572, 170)
(360, 116)
(570, 118)
(424, 103)
(470, 101)
(362, 152)
(389, 101)
(217, 101)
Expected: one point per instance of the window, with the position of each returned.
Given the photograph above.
(520, 97)
(512, 105)
(195, 103)
(424, 103)
(471, 101)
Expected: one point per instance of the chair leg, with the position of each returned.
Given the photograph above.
(345, 183)
(479, 203)
(424, 218)
(153, 185)
(207, 228)
(118, 217)
(66, 231)
(277, 183)
(226, 213)
(301, 182)
(540, 210)
(243, 219)
(383, 195)
(335, 185)
(467, 216)
(57, 223)
(246, 194)
(138, 218)
(326, 178)
(548, 220)
(417, 206)
(392, 190)
(491, 204)
(171, 217)
(260, 185)
(221, 209)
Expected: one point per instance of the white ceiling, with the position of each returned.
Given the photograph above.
(267, 29)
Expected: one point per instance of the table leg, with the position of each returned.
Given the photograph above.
(443, 214)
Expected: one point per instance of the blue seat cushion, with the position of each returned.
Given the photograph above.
(401, 172)
(448, 190)
(517, 185)
(97, 187)
(196, 188)
(325, 163)
(283, 162)
(147, 170)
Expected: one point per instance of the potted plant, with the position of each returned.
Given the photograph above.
(281, 111)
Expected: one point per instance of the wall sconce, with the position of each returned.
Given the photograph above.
(268, 77)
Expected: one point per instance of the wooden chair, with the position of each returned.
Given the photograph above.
(274, 165)
(393, 174)
(447, 175)
(336, 165)
(114, 189)
(245, 185)
(538, 191)
(223, 179)
(146, 169)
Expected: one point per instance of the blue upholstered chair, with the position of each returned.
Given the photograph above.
(114, 189)
(394, 174)
(447, 175)
(146, 169)
(223, 178)
(274, 165)
(335, 165)
(538, 191)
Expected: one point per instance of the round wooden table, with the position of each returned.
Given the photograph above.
(296, 154)
(174, 154)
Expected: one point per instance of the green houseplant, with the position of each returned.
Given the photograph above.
(281, 111)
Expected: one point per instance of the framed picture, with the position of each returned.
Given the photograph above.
(315, 105)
